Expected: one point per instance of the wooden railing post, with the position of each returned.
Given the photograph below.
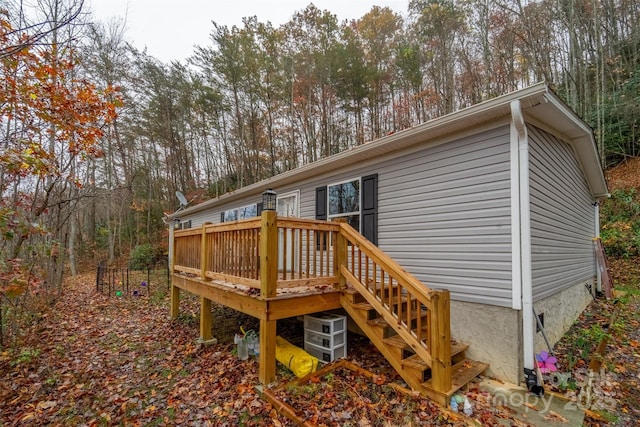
(440, 341)
(340, 255)
(268, 254)
(205, 303)
(204, 254)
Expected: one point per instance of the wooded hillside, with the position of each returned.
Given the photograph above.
(98, 136)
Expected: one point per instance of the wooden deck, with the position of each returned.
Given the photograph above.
(288, 302)
(274, 268)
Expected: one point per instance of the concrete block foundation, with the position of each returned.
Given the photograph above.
(560, 311)
(494, 334)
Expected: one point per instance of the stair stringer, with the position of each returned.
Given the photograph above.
(376, 335)
(388, 316)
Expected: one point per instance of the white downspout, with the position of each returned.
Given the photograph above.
(596, 212)
(516, 273)
(528, 327)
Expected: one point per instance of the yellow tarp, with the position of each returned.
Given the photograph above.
(296, 359)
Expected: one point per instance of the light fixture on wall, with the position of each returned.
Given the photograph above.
(269, 200)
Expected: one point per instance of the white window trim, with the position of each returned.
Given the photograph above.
(295, 193)
(343, 215)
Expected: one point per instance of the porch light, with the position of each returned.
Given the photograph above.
(269, 200)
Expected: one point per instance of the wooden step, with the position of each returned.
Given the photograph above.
(458, 347)
(461, 374)
(379, 321)
(383, 292)
(353, 296)
(409, 365)
(397, 341)
(366, 306)
(415, 362)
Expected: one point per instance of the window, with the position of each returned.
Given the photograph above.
(344, 202)
(230, 215)
(248, 211)
(287, 204)
(244, 212)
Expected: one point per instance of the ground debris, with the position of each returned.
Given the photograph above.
(96, 360)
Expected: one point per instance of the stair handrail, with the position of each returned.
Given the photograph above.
(436, 350)
(416, 287)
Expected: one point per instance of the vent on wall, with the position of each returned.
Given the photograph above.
(540, 322)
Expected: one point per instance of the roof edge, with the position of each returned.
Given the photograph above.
(451, 123)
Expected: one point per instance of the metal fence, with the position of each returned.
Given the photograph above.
(128, 282)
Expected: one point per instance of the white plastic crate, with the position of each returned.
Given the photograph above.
(325, 323)
(325, 336)
(325, 354)
(329, 341)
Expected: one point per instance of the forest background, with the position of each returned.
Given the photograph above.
(96, 136)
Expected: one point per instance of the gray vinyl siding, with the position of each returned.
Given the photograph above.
(444, 214)
(562, 217)
(213, 215)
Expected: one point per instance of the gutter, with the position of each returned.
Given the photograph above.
(523, 241)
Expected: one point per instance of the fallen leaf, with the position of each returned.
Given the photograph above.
(47, 404)
(554, 417)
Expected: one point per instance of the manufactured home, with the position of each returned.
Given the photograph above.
(492, 209)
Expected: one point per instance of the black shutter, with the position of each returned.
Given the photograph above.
(369, 208)
(321, 203)
(221, 216)
(259, 206)
(321, 213)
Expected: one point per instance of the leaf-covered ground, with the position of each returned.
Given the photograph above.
(614, 394)
(99, 360)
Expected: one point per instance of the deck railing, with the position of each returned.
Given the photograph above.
(271, 253)
(233, 251)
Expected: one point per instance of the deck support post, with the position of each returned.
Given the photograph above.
(340, 254)
(268, 289)
(268, 254)
(175, 301)
(267, 369)
(205, 319)
(441, 341)
(175, 291)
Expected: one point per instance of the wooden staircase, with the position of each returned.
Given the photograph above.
(405, 320)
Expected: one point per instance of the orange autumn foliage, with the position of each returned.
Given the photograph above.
(52, 120)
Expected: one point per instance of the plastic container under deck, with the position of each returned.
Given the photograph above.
(325, 336)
